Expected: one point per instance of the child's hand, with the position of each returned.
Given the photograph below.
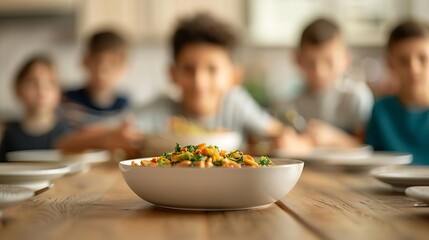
(125, 137)
(326, 135)
(293, 143)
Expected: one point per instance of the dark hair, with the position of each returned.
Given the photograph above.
(106, 41)
(29, 64)
(202, 28)
(406, 30)
(319, 31)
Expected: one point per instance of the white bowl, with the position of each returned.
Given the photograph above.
(213, 188)
(161, 143)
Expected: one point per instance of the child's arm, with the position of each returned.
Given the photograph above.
(102, 137)
(326, 135)
(359, 133)
(295, 144)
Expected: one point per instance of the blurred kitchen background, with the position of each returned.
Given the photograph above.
(269, 30)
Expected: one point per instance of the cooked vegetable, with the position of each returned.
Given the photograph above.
(177, 148)
(204, 156)
(264, 161)
(163, 162)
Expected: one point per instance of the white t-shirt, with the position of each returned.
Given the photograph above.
(348, 105)
(238, 112)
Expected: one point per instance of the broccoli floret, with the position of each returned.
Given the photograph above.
(197, 157)
(166, 155)
(264, 161)
(191, 148)
(178, 148)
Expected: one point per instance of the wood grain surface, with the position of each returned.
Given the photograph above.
(324, 205)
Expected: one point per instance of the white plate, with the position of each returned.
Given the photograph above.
(156, 145)
(377, 159)
(324, 154)
(401, 177)
(33, 175)
(50, 155)
(419, 192)
(90, 156)
(76, 161)
(212, 189)
(34, 185)
(43, 155)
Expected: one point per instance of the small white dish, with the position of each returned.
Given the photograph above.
(32, 175)
(212, 189)
(377, 159)
(10, 195)
(325, 154)
(401, 177)
(34, 185)
(418, 192)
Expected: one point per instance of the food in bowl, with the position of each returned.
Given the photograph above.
(204, 156)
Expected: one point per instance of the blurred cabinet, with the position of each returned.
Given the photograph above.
(364, 22)
(151, 19)
(122, 16)
(165, 13)
(16, 7)
(419, 9)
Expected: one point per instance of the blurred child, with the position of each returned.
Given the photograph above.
(204, 71)
(92, 109)
(337, 107)
(401, 122)
(105, 64)
(37, 88)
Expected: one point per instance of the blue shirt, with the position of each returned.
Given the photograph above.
(394, 127)
(80, 96)
(79, 110)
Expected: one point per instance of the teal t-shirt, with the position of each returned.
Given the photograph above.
(394, 127)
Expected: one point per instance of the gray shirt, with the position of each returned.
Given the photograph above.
(347, 105)
(238, 112)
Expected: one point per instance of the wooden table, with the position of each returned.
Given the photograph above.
(324, 205)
